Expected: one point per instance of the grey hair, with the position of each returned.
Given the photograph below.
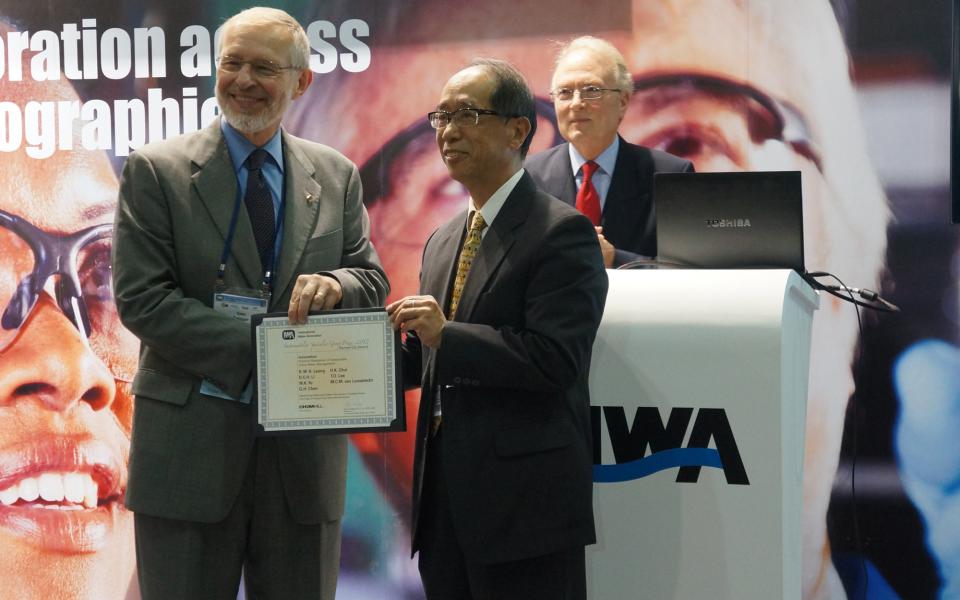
(606, 51)
(262, 15)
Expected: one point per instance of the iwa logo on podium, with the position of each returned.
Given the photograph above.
(666, 442)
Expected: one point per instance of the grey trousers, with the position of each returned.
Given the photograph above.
(280, 558)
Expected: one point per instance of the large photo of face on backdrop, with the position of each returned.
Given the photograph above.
(65, 369)
(713, 82)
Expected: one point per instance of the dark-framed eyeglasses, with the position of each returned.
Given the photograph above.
(82, 287)
(587, 92)
(759, 118)
(263, 69)
(462, 117)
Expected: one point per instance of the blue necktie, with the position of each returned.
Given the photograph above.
(259, 203)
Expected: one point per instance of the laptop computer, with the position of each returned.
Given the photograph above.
(730, 220)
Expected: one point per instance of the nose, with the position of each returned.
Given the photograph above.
(244, 77)
(450, 132)
(577, 100)
(50, 363)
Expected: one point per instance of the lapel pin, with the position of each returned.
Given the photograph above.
(310, 198)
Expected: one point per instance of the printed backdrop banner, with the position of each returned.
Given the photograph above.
(755, 85)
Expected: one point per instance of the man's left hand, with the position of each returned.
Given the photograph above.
(312, 293)
(421, 314)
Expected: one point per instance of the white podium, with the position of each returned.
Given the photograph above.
(699, 386)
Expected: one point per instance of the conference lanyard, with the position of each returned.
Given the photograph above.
(267, 281)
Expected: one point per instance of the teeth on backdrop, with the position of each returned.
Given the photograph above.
(29, 490)
(90, 493)
(10, 495)
(79, 489)
(51, 487)
(73, 487)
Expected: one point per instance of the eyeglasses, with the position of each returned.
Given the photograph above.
(83, 290)
(462, 117)
(589, 92)
(263, 69)
(721, 125)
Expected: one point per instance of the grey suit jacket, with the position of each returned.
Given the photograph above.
(189, 451)
(513, 369)
(629, 215)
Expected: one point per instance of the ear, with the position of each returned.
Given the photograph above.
(520, 129)
(303, 82)
(624, 102)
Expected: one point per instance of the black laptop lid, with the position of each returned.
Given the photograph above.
(730, 220)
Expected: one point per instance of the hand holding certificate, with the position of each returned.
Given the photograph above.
(338, 373)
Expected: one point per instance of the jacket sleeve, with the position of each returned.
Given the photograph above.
(185, 331)
(360, 274)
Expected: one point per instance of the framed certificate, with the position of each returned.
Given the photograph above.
(338, 373)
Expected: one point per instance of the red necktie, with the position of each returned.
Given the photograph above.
(588, 200)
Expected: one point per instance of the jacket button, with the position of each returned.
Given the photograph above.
(476, 382)
(456, 380)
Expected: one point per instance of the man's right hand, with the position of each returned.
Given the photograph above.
(421, 314)
(606, 248)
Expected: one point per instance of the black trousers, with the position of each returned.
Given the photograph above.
(448, 575)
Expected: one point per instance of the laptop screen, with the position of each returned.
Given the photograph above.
(730, 220)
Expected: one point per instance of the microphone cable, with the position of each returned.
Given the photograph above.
(860, 297)
(873, 301)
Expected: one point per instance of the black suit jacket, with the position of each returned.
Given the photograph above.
(629, 217)
(512, 369)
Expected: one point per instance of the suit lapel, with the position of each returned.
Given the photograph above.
(440, 269)
(629, 190)
(495, 245)
(301, 207)
(216, 185)
(561, 176)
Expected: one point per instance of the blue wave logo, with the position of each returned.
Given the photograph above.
(659, 461)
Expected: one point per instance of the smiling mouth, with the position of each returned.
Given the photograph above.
(63, 491)
(61, 495)
(246, 101)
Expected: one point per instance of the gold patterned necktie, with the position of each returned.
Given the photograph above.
(471, 244)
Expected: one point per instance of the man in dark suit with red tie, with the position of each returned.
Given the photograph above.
(512, 290)
(605, 177)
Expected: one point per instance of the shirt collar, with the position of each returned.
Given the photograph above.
(606, 161)
(240, 147)
(493, 205)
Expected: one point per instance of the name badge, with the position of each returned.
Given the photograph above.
(240, 304)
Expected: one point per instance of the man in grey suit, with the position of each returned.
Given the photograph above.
(512, 290)
(607, 178)
(244, 210)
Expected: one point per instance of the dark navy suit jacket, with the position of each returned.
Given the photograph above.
(629, 216)
(512, 370)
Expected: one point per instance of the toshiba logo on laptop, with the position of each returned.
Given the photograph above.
(732, 223)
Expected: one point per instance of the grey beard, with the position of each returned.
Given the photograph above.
(255, 122)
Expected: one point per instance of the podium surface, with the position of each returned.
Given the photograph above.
(698, 384)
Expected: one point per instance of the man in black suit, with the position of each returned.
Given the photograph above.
(605, 177)
(512, 291)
